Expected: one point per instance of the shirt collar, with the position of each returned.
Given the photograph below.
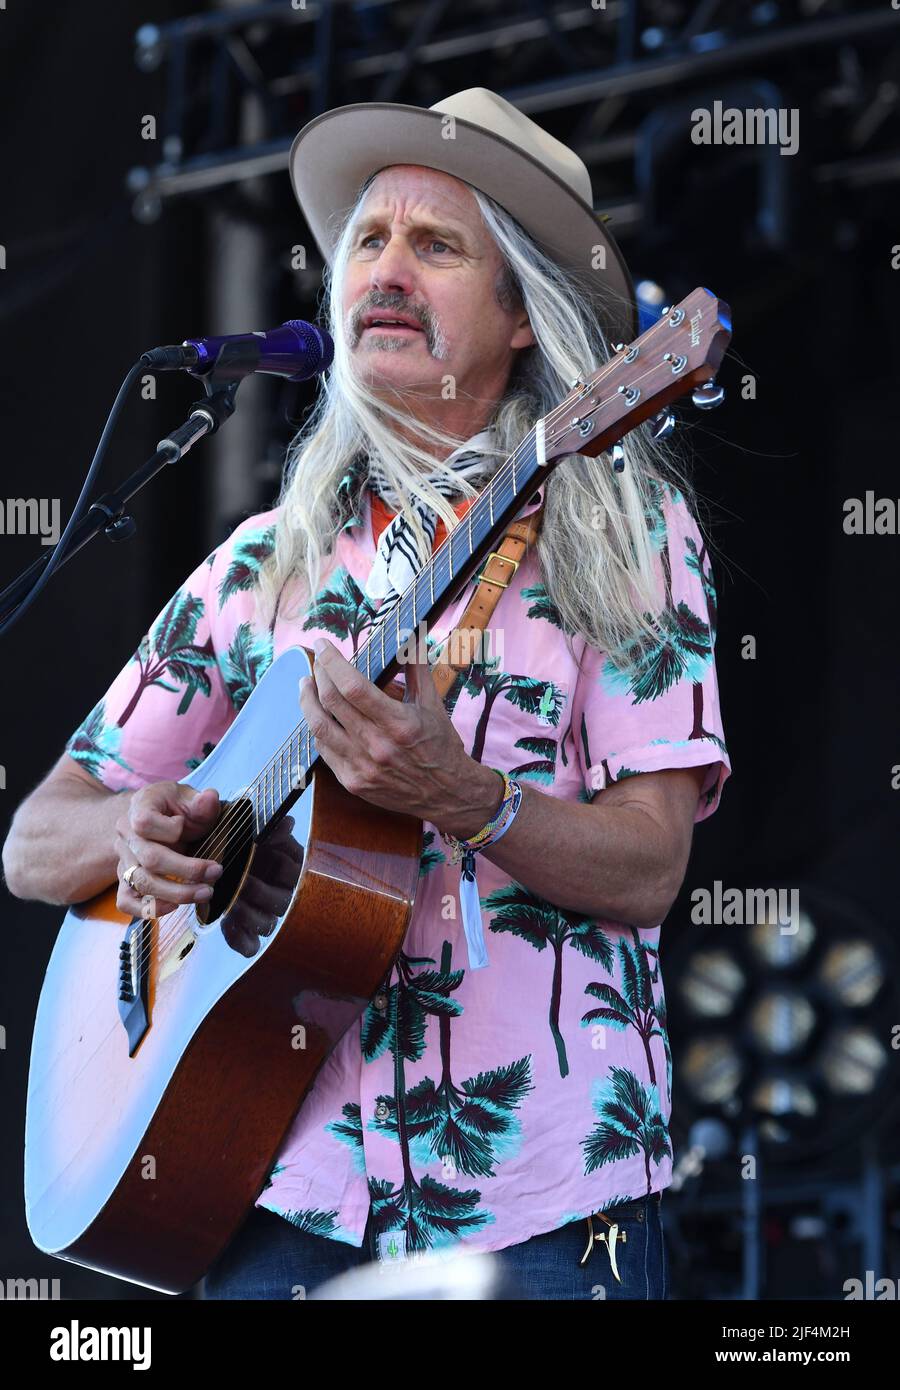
(479, 443)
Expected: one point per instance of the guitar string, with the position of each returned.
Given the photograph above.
(216, 846)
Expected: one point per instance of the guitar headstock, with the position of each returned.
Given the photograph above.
(681, 352)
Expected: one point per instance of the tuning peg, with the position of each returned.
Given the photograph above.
(662, 425)
(708, 396)
(617, 457)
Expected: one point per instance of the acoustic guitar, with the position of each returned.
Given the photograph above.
(166, 1066)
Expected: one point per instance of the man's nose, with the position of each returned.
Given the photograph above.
(394, 272)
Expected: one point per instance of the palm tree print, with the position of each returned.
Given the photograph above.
(662, 1017)
(541, 698)
(310, 1219)
(411, 1000)
(348, 493)
(428, 1212)
(684, 645)
(349, 1131)
(584, 742)
(247, 660)
(648, 668)
(248, 557)
(635, 1006)
(470, 1125)
(629, 1123)
(279, 1168)
(341, 608)
(695, 562)
(533, 919)
(169, 649)
(431, 856)
(313, 1221)
(192, 763)
(542, 605)
(96, 742)
(543, 766)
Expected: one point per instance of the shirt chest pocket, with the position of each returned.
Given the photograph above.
(513, 720)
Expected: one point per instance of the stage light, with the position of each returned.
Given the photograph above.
(852, 973)
(712, 983)
(779, 1096)
(852, 1061)
(778, 947)
(711, 1068)
(781, 1022)
(786, 1022)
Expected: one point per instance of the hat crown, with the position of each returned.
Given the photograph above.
(484, 108)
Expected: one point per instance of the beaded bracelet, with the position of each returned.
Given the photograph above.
(495, 827)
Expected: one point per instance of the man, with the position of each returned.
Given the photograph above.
(509, 1087)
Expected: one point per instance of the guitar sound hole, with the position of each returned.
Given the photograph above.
(235, 855)
(265, 894)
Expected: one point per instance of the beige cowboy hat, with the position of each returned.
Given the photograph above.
(491, 145)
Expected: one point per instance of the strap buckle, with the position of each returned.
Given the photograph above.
(501, 584)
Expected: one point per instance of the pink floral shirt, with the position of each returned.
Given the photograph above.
(474, 1106)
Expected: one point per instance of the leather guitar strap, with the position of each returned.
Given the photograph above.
(496, 575)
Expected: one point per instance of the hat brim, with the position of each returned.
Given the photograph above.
(337, 151)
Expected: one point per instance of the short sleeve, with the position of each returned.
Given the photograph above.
(172, 701)
(659, 706)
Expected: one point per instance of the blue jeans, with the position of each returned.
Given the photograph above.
(271, 1259)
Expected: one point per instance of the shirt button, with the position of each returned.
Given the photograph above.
(382, 1111)
(380, 1002)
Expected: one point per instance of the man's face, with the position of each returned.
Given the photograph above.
(421, 252)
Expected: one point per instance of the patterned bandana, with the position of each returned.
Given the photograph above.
(396, 560)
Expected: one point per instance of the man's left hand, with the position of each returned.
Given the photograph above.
(402, 756)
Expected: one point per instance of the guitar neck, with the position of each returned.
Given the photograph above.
(436, 585)
(454, 562)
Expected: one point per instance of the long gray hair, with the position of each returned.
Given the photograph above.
(596, 543)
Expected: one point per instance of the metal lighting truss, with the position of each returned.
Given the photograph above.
(602, 74)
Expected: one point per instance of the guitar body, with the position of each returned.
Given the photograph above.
(154, 1119)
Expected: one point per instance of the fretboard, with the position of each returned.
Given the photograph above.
(438, 582)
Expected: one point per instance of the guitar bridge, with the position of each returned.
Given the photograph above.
(134, 978)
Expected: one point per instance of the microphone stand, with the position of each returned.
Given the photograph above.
(108, 513)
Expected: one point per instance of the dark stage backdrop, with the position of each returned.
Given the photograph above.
(85, 291)
(811, 722)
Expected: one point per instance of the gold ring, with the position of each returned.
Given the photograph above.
(127, 877)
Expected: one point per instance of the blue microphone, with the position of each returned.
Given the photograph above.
(297, 350)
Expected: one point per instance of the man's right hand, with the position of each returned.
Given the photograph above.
(158, 823)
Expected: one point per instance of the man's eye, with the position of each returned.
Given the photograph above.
(435, 242)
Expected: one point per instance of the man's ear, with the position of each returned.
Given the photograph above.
(523, 336)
